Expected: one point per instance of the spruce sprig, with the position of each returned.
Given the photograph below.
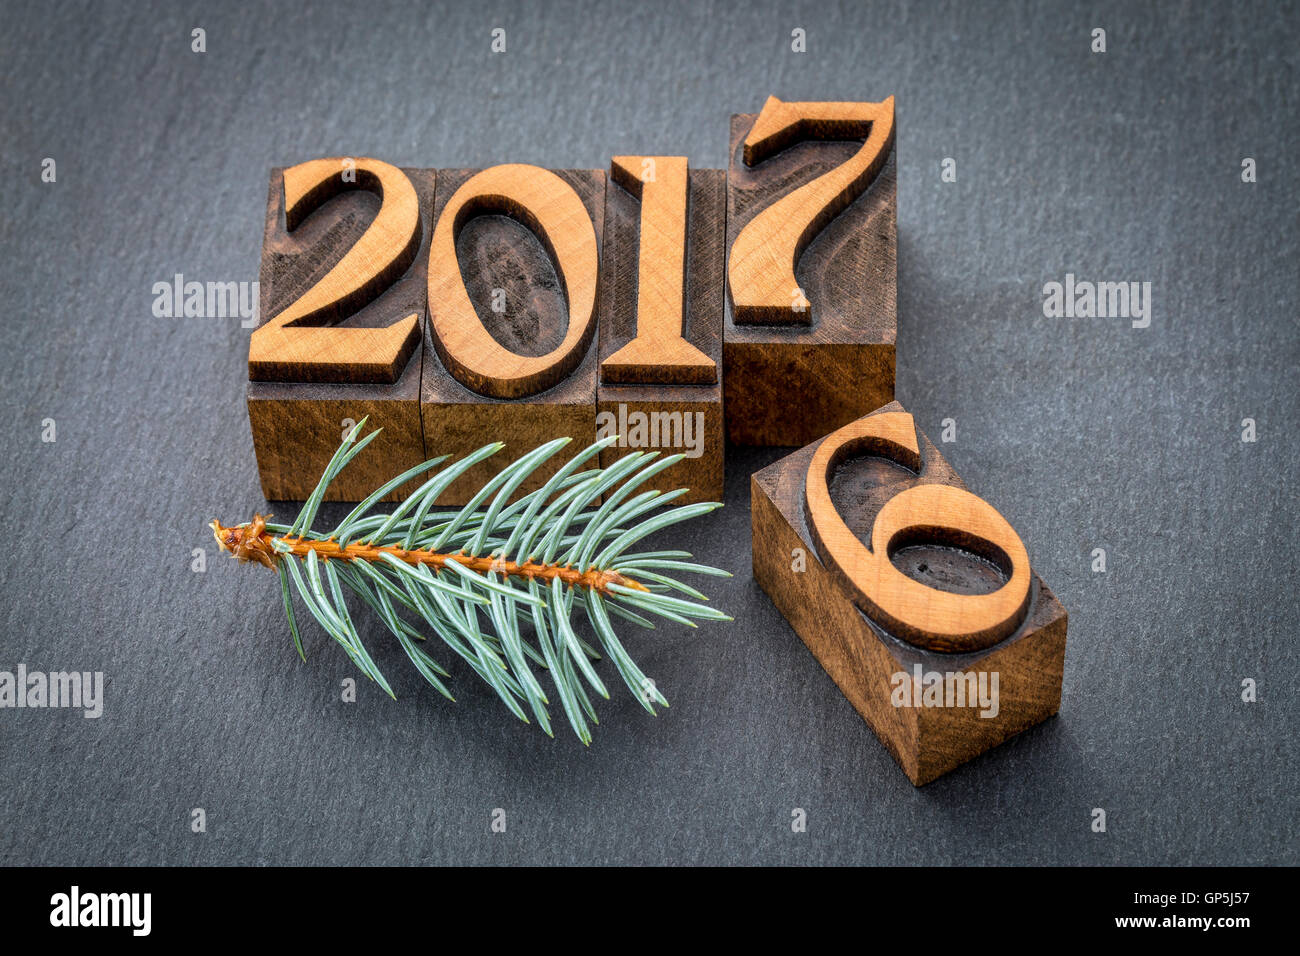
(476, 575)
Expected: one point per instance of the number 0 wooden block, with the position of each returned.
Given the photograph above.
(660, 380)
(510, 352)
(915, 595)
(808, 343)
(342, 305)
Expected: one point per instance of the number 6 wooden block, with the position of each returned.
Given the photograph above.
(808, 343)
(916, 596)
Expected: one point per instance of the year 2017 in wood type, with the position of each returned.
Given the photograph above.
(915, 595)
(669, 306)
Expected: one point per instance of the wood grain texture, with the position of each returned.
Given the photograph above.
(661, 412)
(792, 384)
(861, 656)
(299, 343)
(502, 260)
(297, 426)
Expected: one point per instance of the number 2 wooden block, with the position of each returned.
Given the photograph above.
(808, 343)
(342, 304)
(916, 596)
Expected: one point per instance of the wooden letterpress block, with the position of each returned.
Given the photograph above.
(510, 352)
(342, 305)
(660, 379)
(808, 341)
(915, 595)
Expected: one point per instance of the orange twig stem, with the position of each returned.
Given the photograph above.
(252, 542)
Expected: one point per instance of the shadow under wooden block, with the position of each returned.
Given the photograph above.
(297, 426)
(791, 384)
(863, 659)
(503, 263)
(668, 417)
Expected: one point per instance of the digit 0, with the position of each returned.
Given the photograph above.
(546, 204)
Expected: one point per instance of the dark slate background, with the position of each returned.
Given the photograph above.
(1085, 433)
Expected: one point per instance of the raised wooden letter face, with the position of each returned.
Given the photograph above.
(760, 268)
(546, 204)
(905, 586)
(921, 614)
(296, 345)
(659, 355)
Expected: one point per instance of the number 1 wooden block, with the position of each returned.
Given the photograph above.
(660, 382)
(808, 343)
(342, 305)
(916, 596)
(510, 352)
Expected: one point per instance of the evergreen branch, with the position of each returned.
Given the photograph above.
(476, 575)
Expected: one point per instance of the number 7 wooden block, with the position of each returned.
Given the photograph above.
(808, 341)
(916, 596)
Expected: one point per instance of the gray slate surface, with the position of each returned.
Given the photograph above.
(1085, 433)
